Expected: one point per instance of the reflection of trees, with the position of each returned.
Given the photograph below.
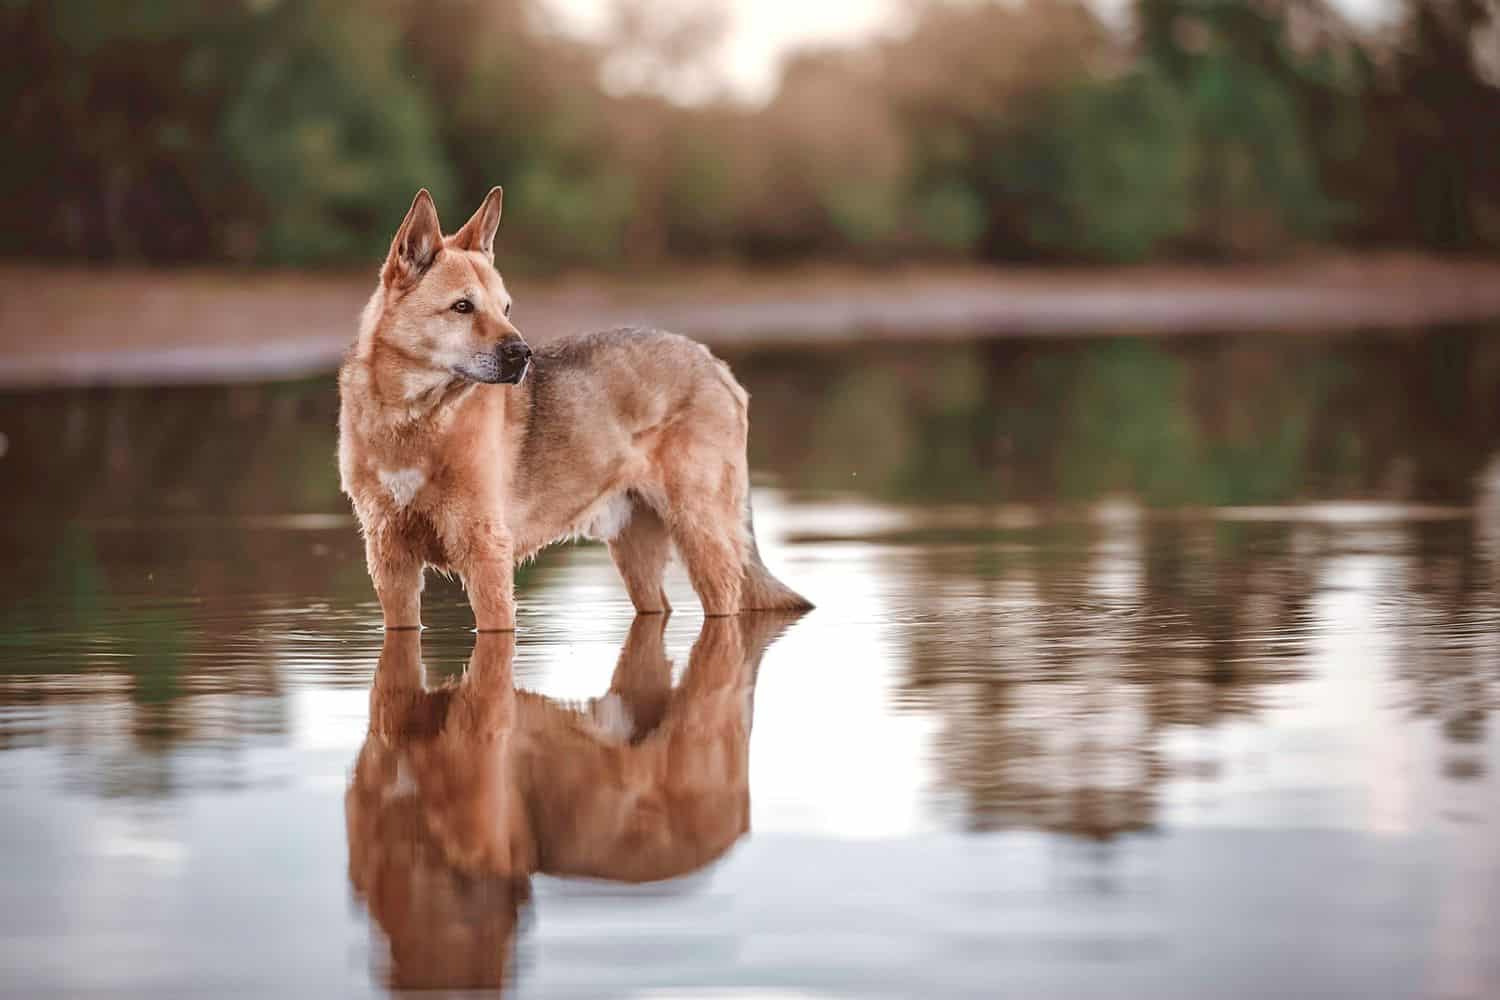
(1237, 420)
(137, 578)
(1057, 692)
(92, 635)
(119, 590)
(1448, 657)
(124, 642)
(1232, 420)
(1082, 647)
(253, 448)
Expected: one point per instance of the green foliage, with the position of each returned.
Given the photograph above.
(330, 135)
(1118, 160)
(290, 132)
(699, 204)
(863, 212)
(1253, 180)
(564, 216)
(1275, 120)
(1443, 185)
(950, 216)
(1166, 423)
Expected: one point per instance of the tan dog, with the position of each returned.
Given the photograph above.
(461, 792)
(464, 451)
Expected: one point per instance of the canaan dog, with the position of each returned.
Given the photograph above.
(462, 791)
(464, 450)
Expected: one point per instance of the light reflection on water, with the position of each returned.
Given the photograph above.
(1130, 737)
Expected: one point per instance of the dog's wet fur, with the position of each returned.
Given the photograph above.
(463, 450)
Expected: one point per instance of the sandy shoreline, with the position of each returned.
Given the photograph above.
(73, 326)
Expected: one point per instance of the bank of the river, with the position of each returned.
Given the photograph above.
(68, 326)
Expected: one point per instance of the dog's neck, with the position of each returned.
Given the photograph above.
(394, 393)
(406, 396)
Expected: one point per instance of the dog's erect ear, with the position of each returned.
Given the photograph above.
(416, 244)
(479, 232)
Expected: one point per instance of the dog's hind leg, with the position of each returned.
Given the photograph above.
(640, 551)
(704, 483)
(714, 558)
(706, 526)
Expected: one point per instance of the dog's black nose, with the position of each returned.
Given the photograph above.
(514, 351)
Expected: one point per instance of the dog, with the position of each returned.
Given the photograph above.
(463, 791)
(463, 450)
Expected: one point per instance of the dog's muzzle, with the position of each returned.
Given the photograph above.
(514, 357)
(507, 364)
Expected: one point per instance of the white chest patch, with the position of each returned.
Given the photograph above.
(612, 720)
(402, 484)
(402, 786)
(608, 519)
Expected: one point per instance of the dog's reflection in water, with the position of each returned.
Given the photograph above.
(461, 792)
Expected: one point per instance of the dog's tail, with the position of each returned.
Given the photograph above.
(761, 591)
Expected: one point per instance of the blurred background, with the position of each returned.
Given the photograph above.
(637, 134)
(1125, 385)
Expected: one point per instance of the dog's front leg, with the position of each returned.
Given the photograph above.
(397, 575)
(489, 576)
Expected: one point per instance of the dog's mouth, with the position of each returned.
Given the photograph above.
(491, 370)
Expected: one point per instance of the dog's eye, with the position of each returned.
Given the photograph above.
(463, 306)
(507, 308)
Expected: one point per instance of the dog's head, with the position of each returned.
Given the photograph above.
(445, 310)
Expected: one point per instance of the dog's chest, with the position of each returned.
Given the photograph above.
(398, 492)
(399, 486)
(400, 499)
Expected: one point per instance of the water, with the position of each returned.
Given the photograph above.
(1140, 668)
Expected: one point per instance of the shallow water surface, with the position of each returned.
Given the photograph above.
(1140, 668)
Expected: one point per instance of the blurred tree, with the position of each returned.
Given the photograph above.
(295, 132)
(837, 160)
(176, 130)
(1443, 106)
(328, 133)
(969, 86)
(1110, 170)
(521, 106)
(1250, 92)
(112, 126)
